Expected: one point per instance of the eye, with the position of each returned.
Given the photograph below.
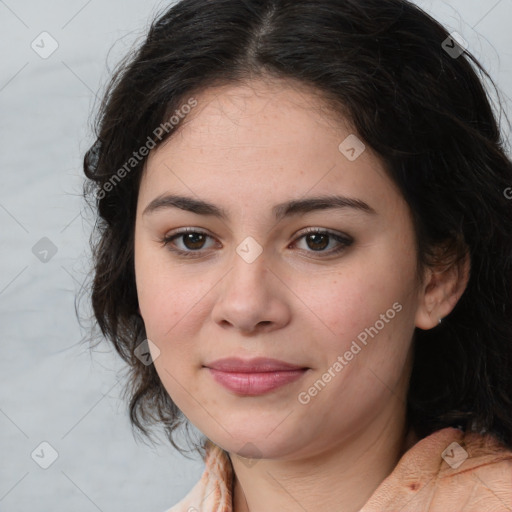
(193, 241)
(191, 238)
(318, 239)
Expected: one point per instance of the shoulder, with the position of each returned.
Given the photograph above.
(449, 471)
(213, 491)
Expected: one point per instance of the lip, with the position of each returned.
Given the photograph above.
(254, 376)
(255, 365)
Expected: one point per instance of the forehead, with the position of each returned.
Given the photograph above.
(280, 139)
(233, 111)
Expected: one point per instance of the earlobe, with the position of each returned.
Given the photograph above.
(426, 318)
(440, 293)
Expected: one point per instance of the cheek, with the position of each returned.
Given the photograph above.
(169, 311)
(158, 306)
(344, 303)
(169, 317)
(172, 302)
(165, 293)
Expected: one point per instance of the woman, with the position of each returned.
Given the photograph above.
(305, 251)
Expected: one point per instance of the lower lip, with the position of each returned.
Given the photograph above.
(253, 384)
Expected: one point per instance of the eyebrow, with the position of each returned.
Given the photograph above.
(286, 209)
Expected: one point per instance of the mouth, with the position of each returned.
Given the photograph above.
(255, 376)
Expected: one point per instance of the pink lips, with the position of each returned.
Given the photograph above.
(254, 376)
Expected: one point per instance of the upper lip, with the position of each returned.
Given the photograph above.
(258, 364)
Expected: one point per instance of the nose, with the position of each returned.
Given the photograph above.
(252, 297)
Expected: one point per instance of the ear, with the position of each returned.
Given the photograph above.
(441, 289)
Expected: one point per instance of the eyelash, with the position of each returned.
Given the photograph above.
(344, 241)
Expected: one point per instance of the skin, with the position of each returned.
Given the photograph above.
(245, 148)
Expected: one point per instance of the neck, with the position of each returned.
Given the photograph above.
(340, 477)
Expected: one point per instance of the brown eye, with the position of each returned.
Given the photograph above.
(193, 241)
(318, 241)
(188, 242)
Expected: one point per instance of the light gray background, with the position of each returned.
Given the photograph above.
(53, 389)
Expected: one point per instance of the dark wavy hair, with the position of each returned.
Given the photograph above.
(414, 96)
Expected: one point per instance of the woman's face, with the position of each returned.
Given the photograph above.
(255, 285)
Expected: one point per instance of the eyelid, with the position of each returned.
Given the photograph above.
(188, 229)
(307, 231)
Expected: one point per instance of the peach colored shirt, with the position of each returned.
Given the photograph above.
(474, 475)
